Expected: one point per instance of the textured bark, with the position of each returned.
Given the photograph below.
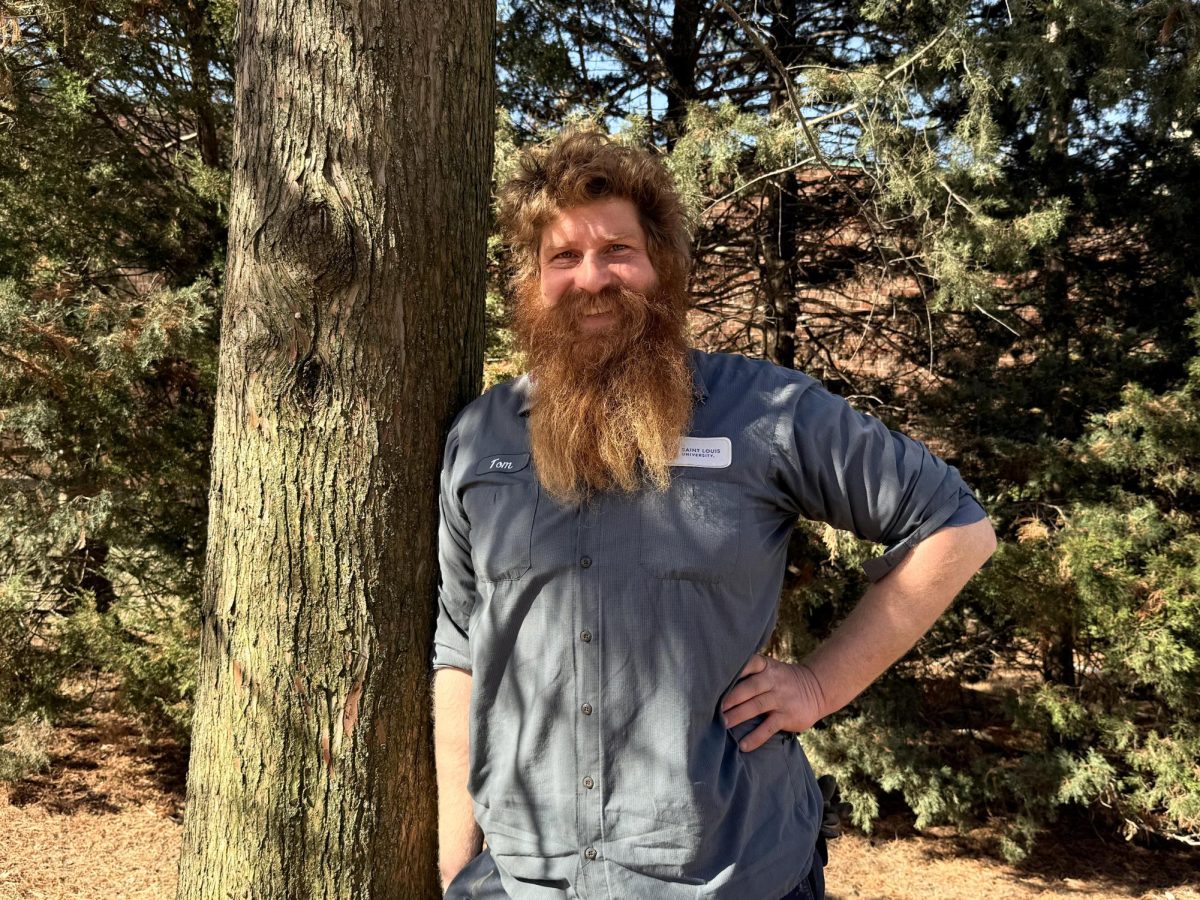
(352, 331)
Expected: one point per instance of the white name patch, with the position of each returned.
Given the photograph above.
(705, 453)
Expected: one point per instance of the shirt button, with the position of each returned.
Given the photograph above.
(588, 783)
(587, 709)
(585, 636)
(590, 853)
(586, 562)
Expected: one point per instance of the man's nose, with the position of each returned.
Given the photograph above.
(593, 275)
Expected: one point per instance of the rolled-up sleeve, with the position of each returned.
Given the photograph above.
(848, 469)
(456, 592)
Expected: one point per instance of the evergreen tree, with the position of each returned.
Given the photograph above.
(971, 218)
(112, 182)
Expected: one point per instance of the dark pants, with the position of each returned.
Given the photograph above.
(479, 880)
(813, 885)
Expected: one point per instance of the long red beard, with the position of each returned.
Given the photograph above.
(609, 407)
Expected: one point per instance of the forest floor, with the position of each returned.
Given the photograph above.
(104, 821)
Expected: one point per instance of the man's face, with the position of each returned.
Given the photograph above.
(587, 254)
(605, 340)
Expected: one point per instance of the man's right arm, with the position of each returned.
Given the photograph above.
(459, 837)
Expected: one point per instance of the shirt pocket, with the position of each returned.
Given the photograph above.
(692, 530)
(501, 514)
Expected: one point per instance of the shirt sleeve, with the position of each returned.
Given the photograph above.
(848, 469)
(456, 591)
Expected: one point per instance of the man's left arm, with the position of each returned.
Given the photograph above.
(890, 618)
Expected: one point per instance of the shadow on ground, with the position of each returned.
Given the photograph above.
(1074, 851)
(101, 764)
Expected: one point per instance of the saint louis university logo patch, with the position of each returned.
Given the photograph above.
(502, 463)
(705, 453)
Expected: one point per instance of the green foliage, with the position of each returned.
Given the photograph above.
(113, 183)
(52, 657)
(867, 758)
(22, 748)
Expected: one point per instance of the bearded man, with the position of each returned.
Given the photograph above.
(613, 542)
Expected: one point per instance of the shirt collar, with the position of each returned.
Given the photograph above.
(699, 388)
(526, 389)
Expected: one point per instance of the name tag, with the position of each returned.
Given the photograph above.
(505, 463)
(705, 453)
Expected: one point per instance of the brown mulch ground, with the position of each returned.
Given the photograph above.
(104, 822)
(939, 865)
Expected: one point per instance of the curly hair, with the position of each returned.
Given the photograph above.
(581, 167)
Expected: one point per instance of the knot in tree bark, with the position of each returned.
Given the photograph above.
(310, 384)
(317, 242)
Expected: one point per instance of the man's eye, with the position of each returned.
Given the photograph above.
(619, 248)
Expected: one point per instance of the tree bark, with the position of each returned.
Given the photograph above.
(1058, 318)
(352, 331)
(201, 53)
(781, 214)
(779, 269)
(681, 56)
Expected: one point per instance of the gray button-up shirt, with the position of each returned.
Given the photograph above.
(602, 638)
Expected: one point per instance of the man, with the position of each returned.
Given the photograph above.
(614, 531)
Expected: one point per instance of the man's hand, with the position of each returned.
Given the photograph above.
(886, 623)
(788, 695)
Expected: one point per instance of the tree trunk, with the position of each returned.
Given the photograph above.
(779, 264)
(1058, 319)
(201, 53)
(782, 213)
(681, 57)
(352, 331)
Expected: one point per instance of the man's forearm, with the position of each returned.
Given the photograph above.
(895, 611)
(459, 837)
